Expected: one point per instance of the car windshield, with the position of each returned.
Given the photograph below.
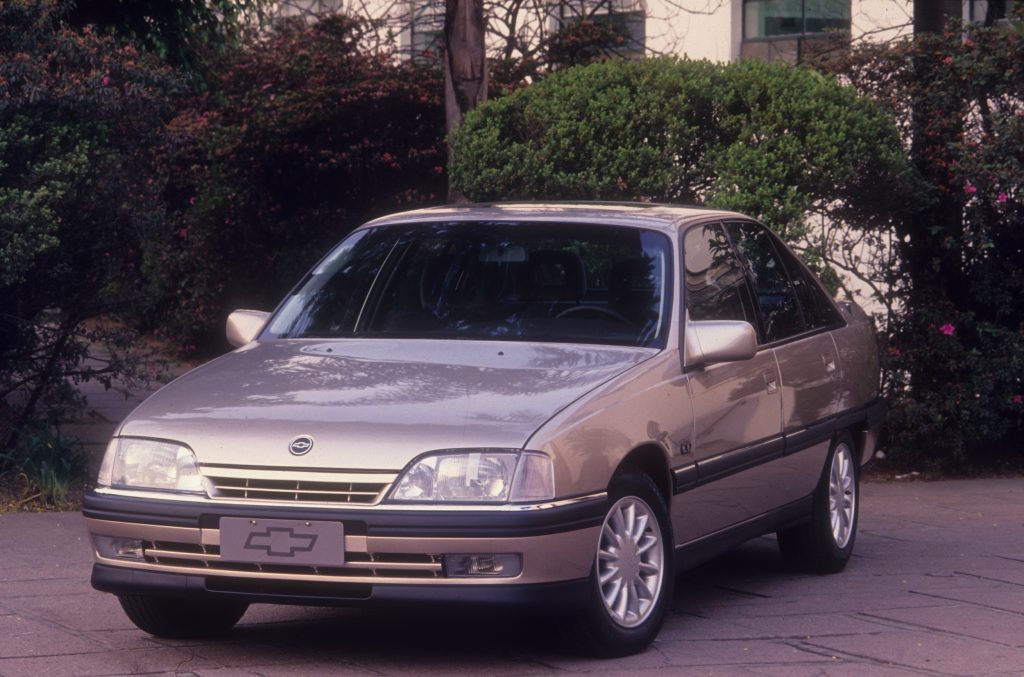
(540, 282)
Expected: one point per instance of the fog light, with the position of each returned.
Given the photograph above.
(111, 547)
(489, 566)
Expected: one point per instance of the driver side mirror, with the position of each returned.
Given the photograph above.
(243, 326)
(713, 341)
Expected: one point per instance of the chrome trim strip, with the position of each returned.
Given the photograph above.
(390, 507)
(320, 578)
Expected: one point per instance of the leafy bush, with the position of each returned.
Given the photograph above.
(81, 120)
(301, 137)
(777, 142)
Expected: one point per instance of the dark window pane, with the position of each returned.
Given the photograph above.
(765, 18)
(716, 288)
(819, 312)
(826, 15)
(775, 295)
(770, 18)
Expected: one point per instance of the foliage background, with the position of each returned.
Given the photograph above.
(163, 165)
(300, 136)
(955, 350)
(81, 129)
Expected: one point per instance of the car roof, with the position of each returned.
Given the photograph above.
(664, 217)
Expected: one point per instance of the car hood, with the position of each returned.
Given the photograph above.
(371, 404)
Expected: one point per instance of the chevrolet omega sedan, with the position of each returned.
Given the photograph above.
(512, 404)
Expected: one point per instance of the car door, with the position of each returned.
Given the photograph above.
(797, 318)
(736, 405)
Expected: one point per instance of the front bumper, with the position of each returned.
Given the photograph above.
(390, 555)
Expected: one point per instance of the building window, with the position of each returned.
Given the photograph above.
(425, 34)
(785, 29)
(989, 11)
(626, 19)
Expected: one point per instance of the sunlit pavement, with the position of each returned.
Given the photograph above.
(936, 587)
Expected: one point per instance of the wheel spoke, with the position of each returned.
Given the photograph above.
(646, 544)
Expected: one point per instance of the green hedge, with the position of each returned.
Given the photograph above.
(771, 140)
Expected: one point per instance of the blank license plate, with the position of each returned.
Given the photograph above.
(271, 541)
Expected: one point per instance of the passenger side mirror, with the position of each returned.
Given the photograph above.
(244, 326)
(713, 341)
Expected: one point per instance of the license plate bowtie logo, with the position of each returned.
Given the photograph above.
(280, 541)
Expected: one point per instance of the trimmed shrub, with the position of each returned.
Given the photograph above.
(777, 142)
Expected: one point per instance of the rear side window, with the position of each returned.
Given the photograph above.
(776, 297)
(819, 311)
(716, 288)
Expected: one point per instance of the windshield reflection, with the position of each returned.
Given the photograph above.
(547, 282)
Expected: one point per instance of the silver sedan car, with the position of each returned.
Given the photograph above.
(510, 404)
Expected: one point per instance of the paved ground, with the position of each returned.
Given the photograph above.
(936, 588)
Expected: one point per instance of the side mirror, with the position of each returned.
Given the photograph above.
(244, 326)
(718, 341)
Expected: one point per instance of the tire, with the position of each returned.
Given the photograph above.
(824, 544)
(620, 620)
(182, 618)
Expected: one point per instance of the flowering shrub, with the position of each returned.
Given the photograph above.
(955, 361)
(302, 136)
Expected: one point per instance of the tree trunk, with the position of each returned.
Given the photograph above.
(465, 66)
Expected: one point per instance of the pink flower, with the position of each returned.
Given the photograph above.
(1003, 198)
(1018, 399)
(969, 188)
(947, 329)
(192, 200)
(948, 61)
(106, 80)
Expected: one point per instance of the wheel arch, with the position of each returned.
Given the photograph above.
(650, 459)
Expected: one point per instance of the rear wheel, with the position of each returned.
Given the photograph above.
(824, 544)
(632, 574)
(174, 617)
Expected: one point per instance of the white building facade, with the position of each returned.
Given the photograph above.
(716, 30)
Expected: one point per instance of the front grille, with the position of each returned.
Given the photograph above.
(357, 564)
(333, 488)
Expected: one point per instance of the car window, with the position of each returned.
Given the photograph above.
(486, 280)
(716, 288)
(819, 311)
(776, 297)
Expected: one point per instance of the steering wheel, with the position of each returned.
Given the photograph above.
(601, 310)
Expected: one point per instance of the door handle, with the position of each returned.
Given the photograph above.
(830, 362)
(771, 382)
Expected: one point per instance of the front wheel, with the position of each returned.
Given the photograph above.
(632, 575)
(181, 617)
(824, 544)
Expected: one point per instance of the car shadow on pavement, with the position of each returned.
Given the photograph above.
(473, 635)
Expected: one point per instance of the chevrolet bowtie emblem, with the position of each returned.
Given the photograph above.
(280, 541)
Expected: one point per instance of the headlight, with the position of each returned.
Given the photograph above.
(484, 476)
(148, 464)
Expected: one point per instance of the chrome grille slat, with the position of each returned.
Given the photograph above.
(188, 555)
(296, 486)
